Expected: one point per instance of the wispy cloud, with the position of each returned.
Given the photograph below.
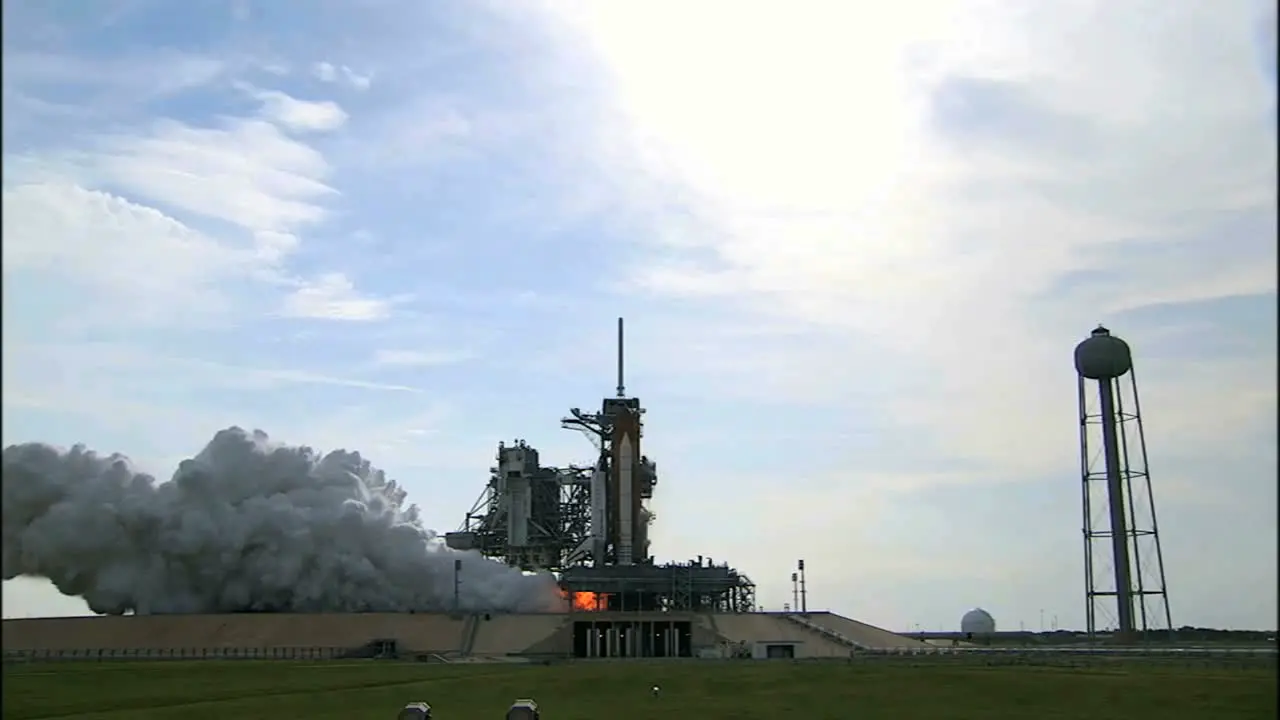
(141, 264)
(330, 73)
(418, 358)
(259, 378)
(142, 77)
(294, 114)
(333, 297)
(243, 171)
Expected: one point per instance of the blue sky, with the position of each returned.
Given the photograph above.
(854, 252)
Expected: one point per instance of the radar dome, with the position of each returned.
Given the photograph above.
(978, 622)
(1103, 356)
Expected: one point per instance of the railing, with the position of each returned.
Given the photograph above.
(1221, 659)
(1225, 657)
(1094, 657)
(827, 632)
(1152, 651)
(228, 653)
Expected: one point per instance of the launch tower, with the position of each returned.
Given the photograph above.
(622, 479)
(1119, 507)
(590, 524)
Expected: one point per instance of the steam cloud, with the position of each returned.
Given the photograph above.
(246, 525)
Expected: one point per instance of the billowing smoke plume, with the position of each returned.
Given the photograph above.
(245, 525)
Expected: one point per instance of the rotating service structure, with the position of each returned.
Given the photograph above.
(528, 516)
(590, 523)
(1120, 530)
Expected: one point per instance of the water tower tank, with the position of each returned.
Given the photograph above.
(1103, 356)
(978, 622)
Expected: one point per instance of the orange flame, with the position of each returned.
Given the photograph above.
(586, 601)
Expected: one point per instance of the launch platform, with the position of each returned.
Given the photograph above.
(444, 636)
(694, 586)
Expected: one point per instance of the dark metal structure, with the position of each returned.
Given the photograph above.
(1120, 530)
(529, 516)
(590, 523)
(693, 586)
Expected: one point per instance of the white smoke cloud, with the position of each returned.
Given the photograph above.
(245, 525)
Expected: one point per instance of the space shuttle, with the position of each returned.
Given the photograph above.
(623, 480)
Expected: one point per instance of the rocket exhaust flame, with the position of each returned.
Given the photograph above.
(586, 601)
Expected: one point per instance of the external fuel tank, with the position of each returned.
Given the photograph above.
(625, 490)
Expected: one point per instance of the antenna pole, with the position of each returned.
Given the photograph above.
(622, 390)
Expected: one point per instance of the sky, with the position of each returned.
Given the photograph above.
(855, 248)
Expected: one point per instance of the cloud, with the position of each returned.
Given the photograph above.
(333, 297)
(164, 221)
(298, 115)
(132, 362)
(137, 77)
(82, 231)
(144, 264)
(245, 172)
(417, 358)
(296, 376)
(330, 73)
(272, 246)
(887, 236)
(423, 131)
(924, 185)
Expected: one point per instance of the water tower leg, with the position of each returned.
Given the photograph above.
(1119, 521)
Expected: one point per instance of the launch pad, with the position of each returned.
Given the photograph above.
(692, 586)
(589, 523)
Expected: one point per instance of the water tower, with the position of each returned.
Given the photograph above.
(1119, 507)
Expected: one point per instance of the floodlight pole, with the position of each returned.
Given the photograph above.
(804, 600)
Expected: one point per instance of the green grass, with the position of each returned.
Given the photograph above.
(248, 690)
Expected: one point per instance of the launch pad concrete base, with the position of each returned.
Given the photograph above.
(574, 634)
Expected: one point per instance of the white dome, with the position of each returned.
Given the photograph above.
(978, 622)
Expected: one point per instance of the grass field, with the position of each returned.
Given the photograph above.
(246, 690)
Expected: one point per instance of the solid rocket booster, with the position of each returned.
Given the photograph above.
(599, 514)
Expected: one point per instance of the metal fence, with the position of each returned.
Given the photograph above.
(1080, 657)
(223, 653)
